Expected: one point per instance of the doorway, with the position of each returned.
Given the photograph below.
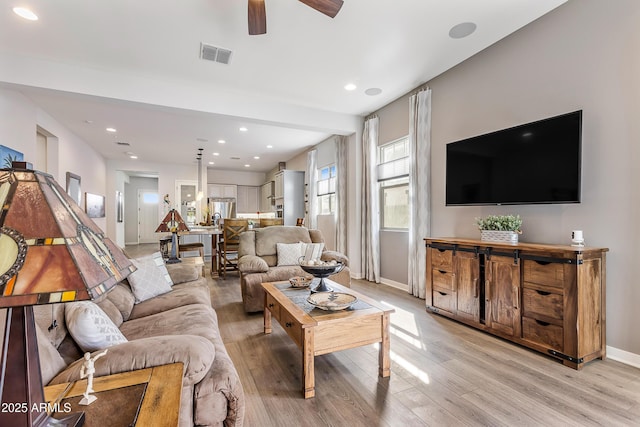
(148, 201)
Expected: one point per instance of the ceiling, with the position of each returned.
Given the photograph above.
(135, 66)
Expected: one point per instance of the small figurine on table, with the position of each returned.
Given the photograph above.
(87, 370)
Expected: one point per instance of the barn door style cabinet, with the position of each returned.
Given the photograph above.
(550, 298)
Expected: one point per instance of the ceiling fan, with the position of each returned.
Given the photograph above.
(258, 16)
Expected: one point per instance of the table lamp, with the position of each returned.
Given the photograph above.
(173, 223)
(50, 252)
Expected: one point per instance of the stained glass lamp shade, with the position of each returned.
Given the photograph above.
(172, 223)
(50, 252)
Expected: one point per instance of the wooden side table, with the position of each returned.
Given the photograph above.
(151, 397)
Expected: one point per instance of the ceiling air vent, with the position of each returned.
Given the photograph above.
(216, 54)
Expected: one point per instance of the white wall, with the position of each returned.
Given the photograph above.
(19, 120)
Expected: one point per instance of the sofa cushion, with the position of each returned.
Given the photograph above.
(267, 238)
(112, 311)
(288, 253)
(252, 264)
(196, 353)
(312, 251)
(51, 363)
(196, 292)
(90, 327)
(247, 244)
(122, 297)
(151, 277)
(181, 273)
(193, 319)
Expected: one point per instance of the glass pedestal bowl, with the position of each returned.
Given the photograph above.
(321, 271)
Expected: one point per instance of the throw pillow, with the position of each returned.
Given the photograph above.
(90, 327)
(312, 250)
(150, 279)
(288, 253)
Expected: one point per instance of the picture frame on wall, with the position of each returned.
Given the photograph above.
(73, 187)
(94, 205)
(119, 207)
(9, 155)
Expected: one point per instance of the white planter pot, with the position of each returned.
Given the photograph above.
(499, 236)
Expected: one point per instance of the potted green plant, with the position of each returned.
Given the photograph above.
(500, 228)
(251, 223)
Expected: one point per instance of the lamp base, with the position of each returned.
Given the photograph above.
(21, 380)
(173, 259)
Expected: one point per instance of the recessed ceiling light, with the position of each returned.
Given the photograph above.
(462, 30)
(269, 146)
(25, 13)
(256, 157)
(350, 86)
(216, 154)
(133, 156)
(243, 129)
(222, 141)
(211, 163)
(111, 129)
(247, 166)
(373, 91)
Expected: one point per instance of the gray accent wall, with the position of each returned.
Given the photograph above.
(584, 55)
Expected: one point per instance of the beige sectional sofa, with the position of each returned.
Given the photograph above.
(178, 326)
(258, 261)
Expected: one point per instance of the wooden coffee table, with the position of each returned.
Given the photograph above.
(319, 332)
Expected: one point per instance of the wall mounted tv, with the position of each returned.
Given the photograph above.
(538, 162)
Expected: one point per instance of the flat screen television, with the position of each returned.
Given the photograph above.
(537, 162)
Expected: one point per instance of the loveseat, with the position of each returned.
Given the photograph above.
(177, 326)
(258, 260)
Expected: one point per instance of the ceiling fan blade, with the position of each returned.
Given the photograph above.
(257, 17)
(328, 7)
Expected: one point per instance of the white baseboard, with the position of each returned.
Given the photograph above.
(130, 243)
(394, 284)
(623, 356)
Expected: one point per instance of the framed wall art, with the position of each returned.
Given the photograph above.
(73, 187)
(94, 205)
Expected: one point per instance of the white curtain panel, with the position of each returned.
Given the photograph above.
(419, 188)
(312, 190)
(341, 193)
(370, 213)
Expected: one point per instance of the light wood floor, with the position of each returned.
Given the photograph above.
(442, 373)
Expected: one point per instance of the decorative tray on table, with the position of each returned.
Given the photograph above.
(331, 301)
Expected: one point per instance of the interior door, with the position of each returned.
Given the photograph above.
(148, 220)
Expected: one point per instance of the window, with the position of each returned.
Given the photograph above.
(327, 190)
(393, 177)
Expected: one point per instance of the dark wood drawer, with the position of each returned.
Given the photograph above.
(442, 279)
(543, 273)
(538, 303)
(544, 333)
(444, 300)
(441, 259)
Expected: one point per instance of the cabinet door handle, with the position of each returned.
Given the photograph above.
(442, 293)
(517, 300)
(541, 323)
(442, 272)
(270, 305)
(544, 293)
(288, 324)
